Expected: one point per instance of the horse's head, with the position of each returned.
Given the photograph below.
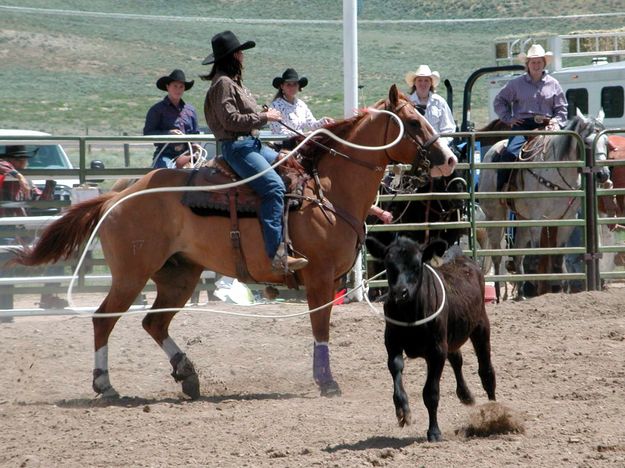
(420, 145)
(588, 128)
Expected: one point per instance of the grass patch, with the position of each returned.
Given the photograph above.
(65, 73)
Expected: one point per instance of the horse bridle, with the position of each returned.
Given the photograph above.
(421, 162)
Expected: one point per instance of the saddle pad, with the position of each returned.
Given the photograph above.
(246, 200)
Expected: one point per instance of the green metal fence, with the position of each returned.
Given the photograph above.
(97, 280)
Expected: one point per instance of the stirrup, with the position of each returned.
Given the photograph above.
(284, 262)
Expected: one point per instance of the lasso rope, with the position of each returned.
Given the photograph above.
(221, 187)
(416, 323)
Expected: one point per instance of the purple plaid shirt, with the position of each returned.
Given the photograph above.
(524, 98)
(164, 116)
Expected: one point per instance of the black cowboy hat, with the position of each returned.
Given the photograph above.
(289, 75)
(176, 75)
(15, 151)
(224, 44)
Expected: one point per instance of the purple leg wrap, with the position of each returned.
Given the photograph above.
(321, 364)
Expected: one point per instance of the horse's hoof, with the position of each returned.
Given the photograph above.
(102, 386)
(191, 387)
(330, 389)
(110, 394)
(520, 298)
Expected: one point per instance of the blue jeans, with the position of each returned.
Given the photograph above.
(164, 159)
(512, 151)
(248, 157)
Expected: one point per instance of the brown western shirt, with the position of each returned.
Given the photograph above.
(230, 109)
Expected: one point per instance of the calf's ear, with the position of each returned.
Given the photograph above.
(436, 247)
(375, 248)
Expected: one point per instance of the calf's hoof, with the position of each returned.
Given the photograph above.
(330, 389)
(404, 417)
(434, 436)
(465, 396)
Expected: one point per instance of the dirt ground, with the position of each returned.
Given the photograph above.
(559, 361)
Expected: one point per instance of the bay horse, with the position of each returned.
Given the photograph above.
(554, 148)
(156, 237)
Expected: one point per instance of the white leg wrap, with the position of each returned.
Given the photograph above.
(102, 358)
(170, 348)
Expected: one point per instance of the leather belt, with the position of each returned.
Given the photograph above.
(242, 136)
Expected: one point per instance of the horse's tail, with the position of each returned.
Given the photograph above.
(65, 235)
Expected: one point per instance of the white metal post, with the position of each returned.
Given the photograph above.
(350, 92)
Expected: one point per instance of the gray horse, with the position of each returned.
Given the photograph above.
(551, 148)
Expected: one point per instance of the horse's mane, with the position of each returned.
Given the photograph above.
(565, 144)
(311, 152)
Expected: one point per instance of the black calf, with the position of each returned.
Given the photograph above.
(414, 294)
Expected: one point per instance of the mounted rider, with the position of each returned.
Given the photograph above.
(534, 100)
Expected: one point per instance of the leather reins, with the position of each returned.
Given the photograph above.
(424, 148)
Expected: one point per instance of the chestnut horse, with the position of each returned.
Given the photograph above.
(155, 237)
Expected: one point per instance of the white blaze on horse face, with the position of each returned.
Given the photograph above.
(448, 167)
(170, 347)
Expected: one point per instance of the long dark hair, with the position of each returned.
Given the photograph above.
(229, 65)
(280, 93)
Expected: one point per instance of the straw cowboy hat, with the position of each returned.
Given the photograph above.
(15, 151)
(224, 44)
(536, 51)
(423, 70)
(176, 75)
(289, 75)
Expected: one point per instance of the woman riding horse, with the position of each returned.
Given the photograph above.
(529, 102)
(153, 236)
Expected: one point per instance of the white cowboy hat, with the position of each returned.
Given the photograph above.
(536, 51)
(423, 70)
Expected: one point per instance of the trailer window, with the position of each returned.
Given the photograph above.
(577, 99)
(612, 101)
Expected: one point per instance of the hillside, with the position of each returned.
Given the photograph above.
(69, 66)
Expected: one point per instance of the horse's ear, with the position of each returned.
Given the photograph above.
(579, 113)
(393, 95)
(436, 247)
(600, 115)
(375, 248)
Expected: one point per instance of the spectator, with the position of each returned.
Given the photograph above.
(171, 116)
(531, 101)
(14, 187)
(295, 112)
(423, 83)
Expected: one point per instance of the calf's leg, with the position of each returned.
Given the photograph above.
(431, 391)
(462, 389)
(400, 398)
(480, 338)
